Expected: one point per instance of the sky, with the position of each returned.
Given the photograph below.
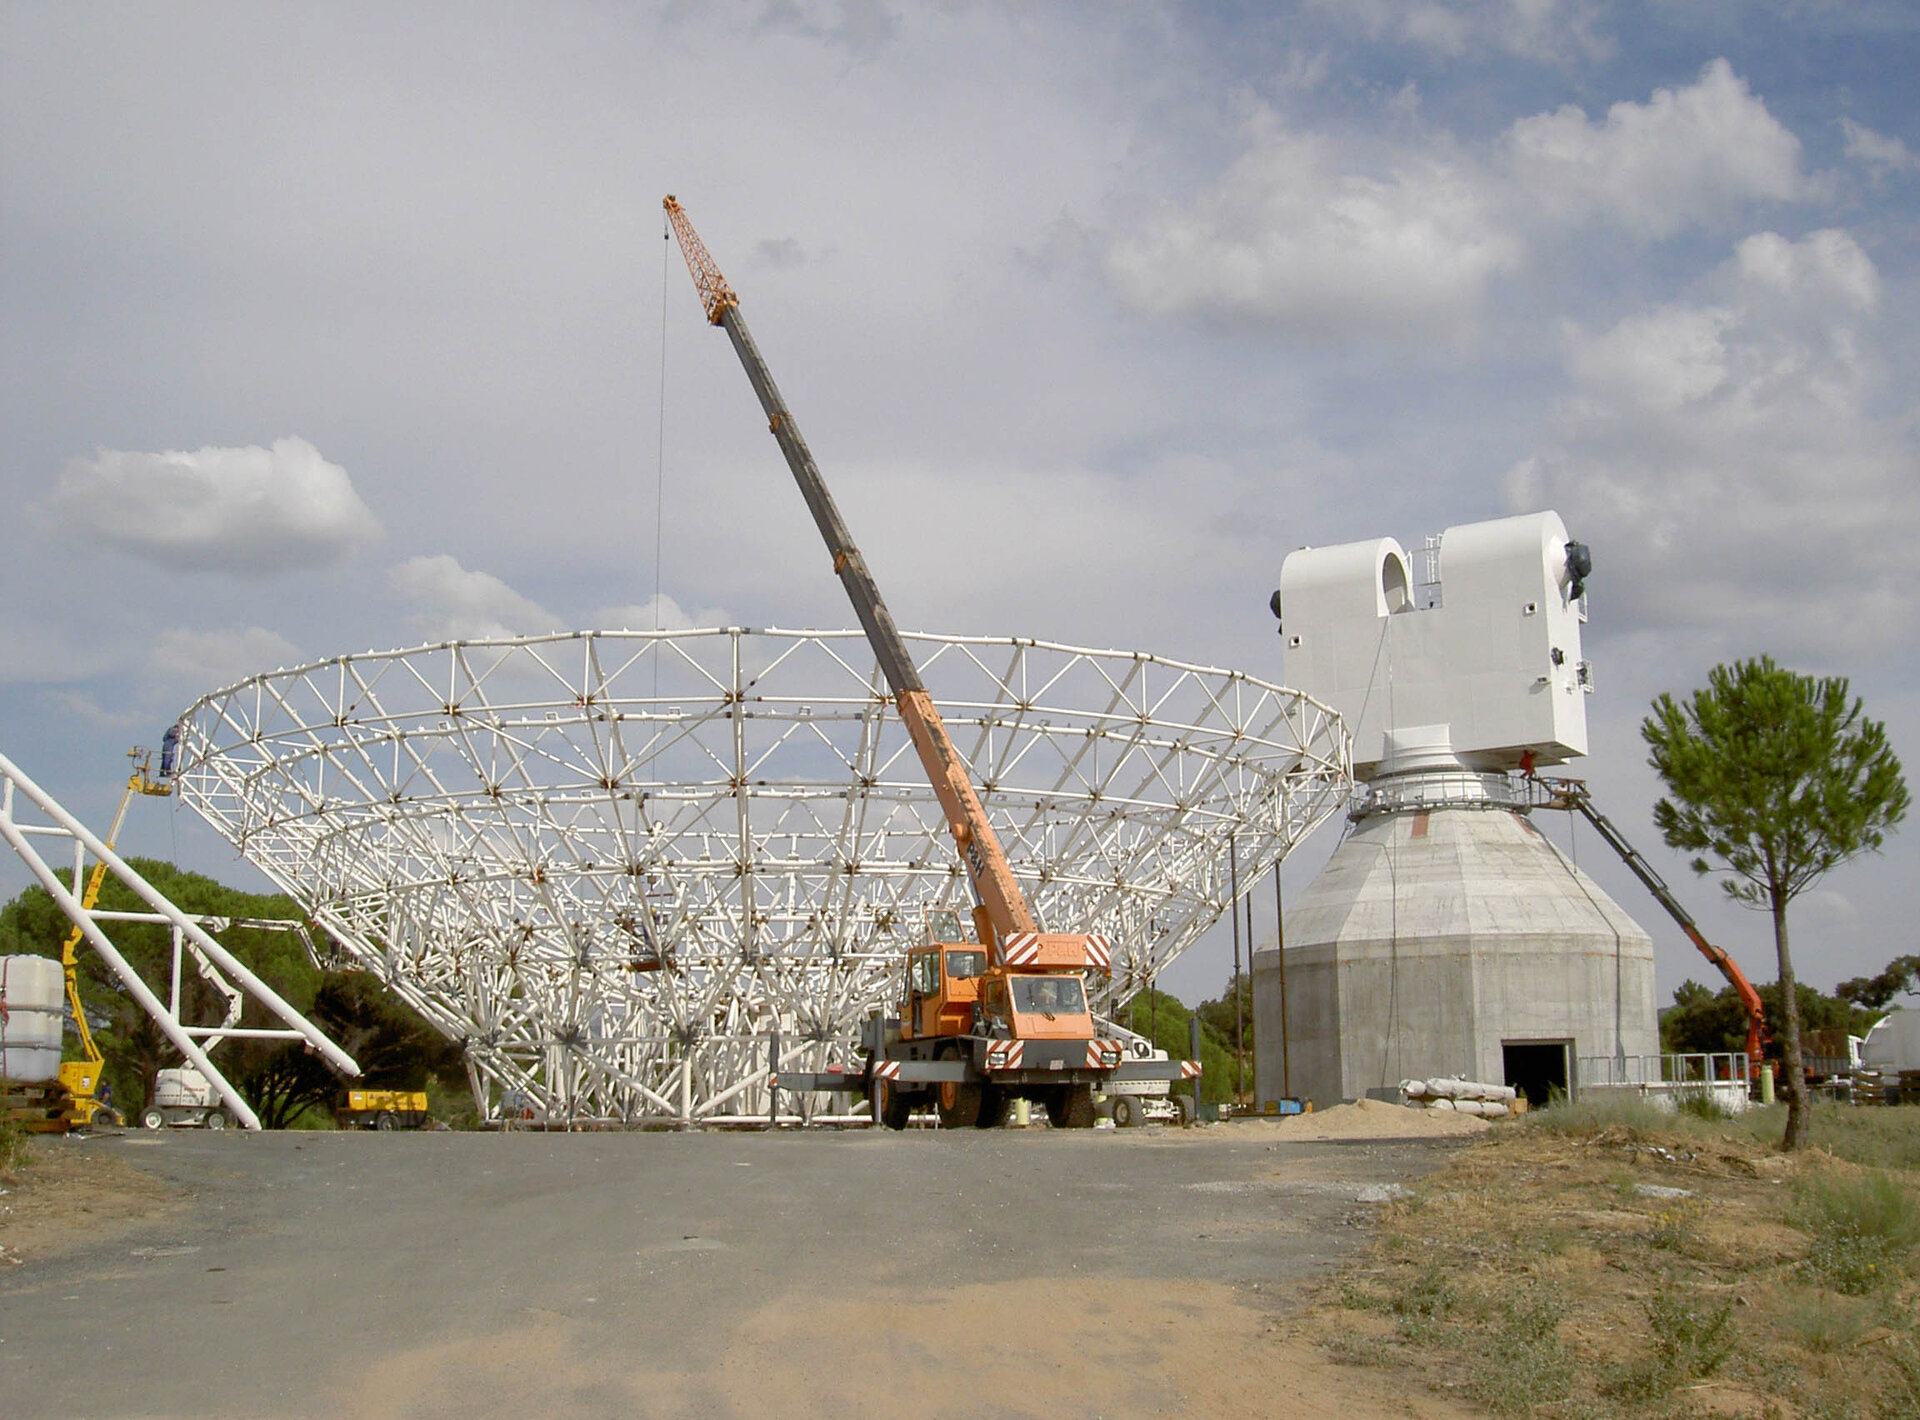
(335, 327)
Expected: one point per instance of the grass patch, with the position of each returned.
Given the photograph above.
(1527, 1365)
(1425, 1300)
(1701, 1104)
(13, 1147)
(1607, 1261)
(1825, 1324)
(1689, 1340)
(1599, 1114)
(1864, 1231)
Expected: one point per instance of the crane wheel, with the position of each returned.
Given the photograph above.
(1184, 1106)
(895, 1108)
(216, 1119)
(1126, 1112)
(994, 1104)
(960, 1104)
(1076, 1107)
(153, 1119)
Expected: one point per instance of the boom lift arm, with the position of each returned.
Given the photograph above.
(82, 1076)
(1572, 796)
(998, 892)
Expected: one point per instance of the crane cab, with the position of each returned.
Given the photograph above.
(1031, 1005)
(943, 980)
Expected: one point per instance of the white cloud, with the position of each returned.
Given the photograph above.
(1685, 157)
(39, 652)
(660, 612)
(1288, 237)
(455, 604)
(1877, 150)
(247, 510)
(206, 660)
(1729, 460)
(1551, 31)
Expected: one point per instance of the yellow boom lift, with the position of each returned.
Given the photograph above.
(986, 1020)
(82, 1076)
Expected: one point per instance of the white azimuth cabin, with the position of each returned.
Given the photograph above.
(1447, 936)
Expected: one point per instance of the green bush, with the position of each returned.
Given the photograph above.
(1598, 1113)
(1864, 1231)
(1701, 1104)
(13, 1146)
(1689, 1342)
(1526, 1365)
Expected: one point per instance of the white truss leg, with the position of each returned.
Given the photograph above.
(15, 785)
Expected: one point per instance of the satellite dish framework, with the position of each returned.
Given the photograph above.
(616, 864)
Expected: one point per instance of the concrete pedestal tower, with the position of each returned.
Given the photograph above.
(1447, 936)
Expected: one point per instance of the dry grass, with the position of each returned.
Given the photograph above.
(1612, 1262)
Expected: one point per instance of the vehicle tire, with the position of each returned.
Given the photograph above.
(216, 1119)
(153, 1119)
(1076, 1107)
(960, 1104)
(1126, 1111)
(994, 1104)
(1184, 1106)
(385, 1122)
(895, 1108)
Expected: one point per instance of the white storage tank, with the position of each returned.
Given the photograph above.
(33, 1012)
(1893, 1044)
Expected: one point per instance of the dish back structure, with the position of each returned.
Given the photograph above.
(634, 871)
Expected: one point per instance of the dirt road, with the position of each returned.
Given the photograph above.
(976, 1274)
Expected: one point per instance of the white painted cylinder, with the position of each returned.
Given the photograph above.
(33, 1012)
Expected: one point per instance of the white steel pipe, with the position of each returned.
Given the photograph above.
(169, 1024)
(332, 1053)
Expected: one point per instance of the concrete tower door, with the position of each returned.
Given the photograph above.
(1536, 1068)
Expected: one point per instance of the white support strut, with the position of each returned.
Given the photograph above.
(66, 826)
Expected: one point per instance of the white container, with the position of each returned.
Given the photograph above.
(33, 1012)
(182, 1088)
(1893, 1044)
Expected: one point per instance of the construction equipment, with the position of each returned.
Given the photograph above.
(384, 1110)
(987, 1018)
(82, 1077)
(23, 804)
(1572, 796)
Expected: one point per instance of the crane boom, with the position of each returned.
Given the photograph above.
(992, 877)
(1573, 796)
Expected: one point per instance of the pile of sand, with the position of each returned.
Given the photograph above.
(1373, 1119)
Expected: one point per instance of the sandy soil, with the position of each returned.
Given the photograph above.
(1044, 1346)
(1084, 1324)
(63, 1199)
(1366, 1119)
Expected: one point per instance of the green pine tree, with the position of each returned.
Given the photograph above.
(1774, 778)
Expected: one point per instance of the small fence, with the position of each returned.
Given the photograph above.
(1665, 1080)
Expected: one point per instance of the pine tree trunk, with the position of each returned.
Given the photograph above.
(1794, 1081)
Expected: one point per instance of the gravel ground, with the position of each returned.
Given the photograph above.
(1017, 1272)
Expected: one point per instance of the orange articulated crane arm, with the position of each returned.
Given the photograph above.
(1573, 796)
(1005, 906)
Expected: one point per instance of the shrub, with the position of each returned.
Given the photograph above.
(13, 1147)
(1527, 1365)
(1688, 1342)
(1701, 1104)
(1598, 1113)
(1864, 1231)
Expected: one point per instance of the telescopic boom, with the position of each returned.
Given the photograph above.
(998, 892)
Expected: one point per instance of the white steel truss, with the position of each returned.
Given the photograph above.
(615, 865)
(44, 819)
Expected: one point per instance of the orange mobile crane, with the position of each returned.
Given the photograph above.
(1572, 796)
(983, 1021)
